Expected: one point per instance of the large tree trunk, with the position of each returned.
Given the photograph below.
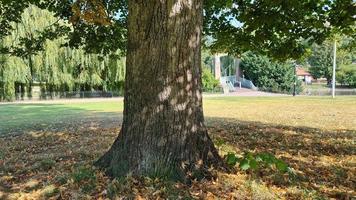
(163, 131)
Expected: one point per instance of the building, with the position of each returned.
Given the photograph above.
(304, 75)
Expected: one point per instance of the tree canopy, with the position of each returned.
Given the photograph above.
(279, 28)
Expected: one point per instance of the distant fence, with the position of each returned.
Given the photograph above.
(67, 95)
(110, 94)
(328, 92)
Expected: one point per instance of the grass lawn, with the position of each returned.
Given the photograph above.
(46, 150)
(18, 117)
(314, 112)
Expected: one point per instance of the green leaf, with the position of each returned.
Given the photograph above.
(229, 3)
(244, 164)
(253, 164)
(267, 158)
(231, 159)
(281, 166)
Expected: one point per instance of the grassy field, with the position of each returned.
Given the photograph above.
(46, 150)
(16, 117)
(314, 112)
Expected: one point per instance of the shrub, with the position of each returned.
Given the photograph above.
(269, 76)
(209, 81)
(346, 75)
(250, 161)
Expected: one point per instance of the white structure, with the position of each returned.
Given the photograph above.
(229, 83)
(334, 69)
(217, 65)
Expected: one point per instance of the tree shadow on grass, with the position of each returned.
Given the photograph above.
(324, 160)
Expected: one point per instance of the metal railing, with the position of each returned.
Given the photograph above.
(66, 95)
(328, 92)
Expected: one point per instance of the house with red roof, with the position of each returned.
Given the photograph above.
(304, 75)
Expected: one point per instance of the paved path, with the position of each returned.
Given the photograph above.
(247, 93)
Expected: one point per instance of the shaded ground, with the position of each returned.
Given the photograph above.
(55, 163)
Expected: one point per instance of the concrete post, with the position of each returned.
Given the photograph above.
(334, 70)
(217, 66)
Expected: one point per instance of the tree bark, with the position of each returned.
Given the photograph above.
(30, 83)
(163, 132)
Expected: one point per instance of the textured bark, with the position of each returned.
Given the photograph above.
(30, 83)
(163, 131)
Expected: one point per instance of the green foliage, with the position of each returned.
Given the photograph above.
(86, 178)
(268, 75)
(8, 91)
(321, 58)
(250, 161)
(219, 142)
(321, 61)
(228, 66)
(235, 26)
(96, 37)
(265, 26)
(56, 67)
(83, 174)
(47, 164)
(61, 179)
(346, 75)
(209, 81)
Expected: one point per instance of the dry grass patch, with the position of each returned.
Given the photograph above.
(58, 165)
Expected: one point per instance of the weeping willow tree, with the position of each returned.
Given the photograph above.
(55, 67)
(14, 74)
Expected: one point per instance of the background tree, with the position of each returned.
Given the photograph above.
(321, 58)
(321, 61)
(56, 67)
(269, 75)
(346, 75)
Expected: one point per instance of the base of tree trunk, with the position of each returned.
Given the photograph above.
(197, 162)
